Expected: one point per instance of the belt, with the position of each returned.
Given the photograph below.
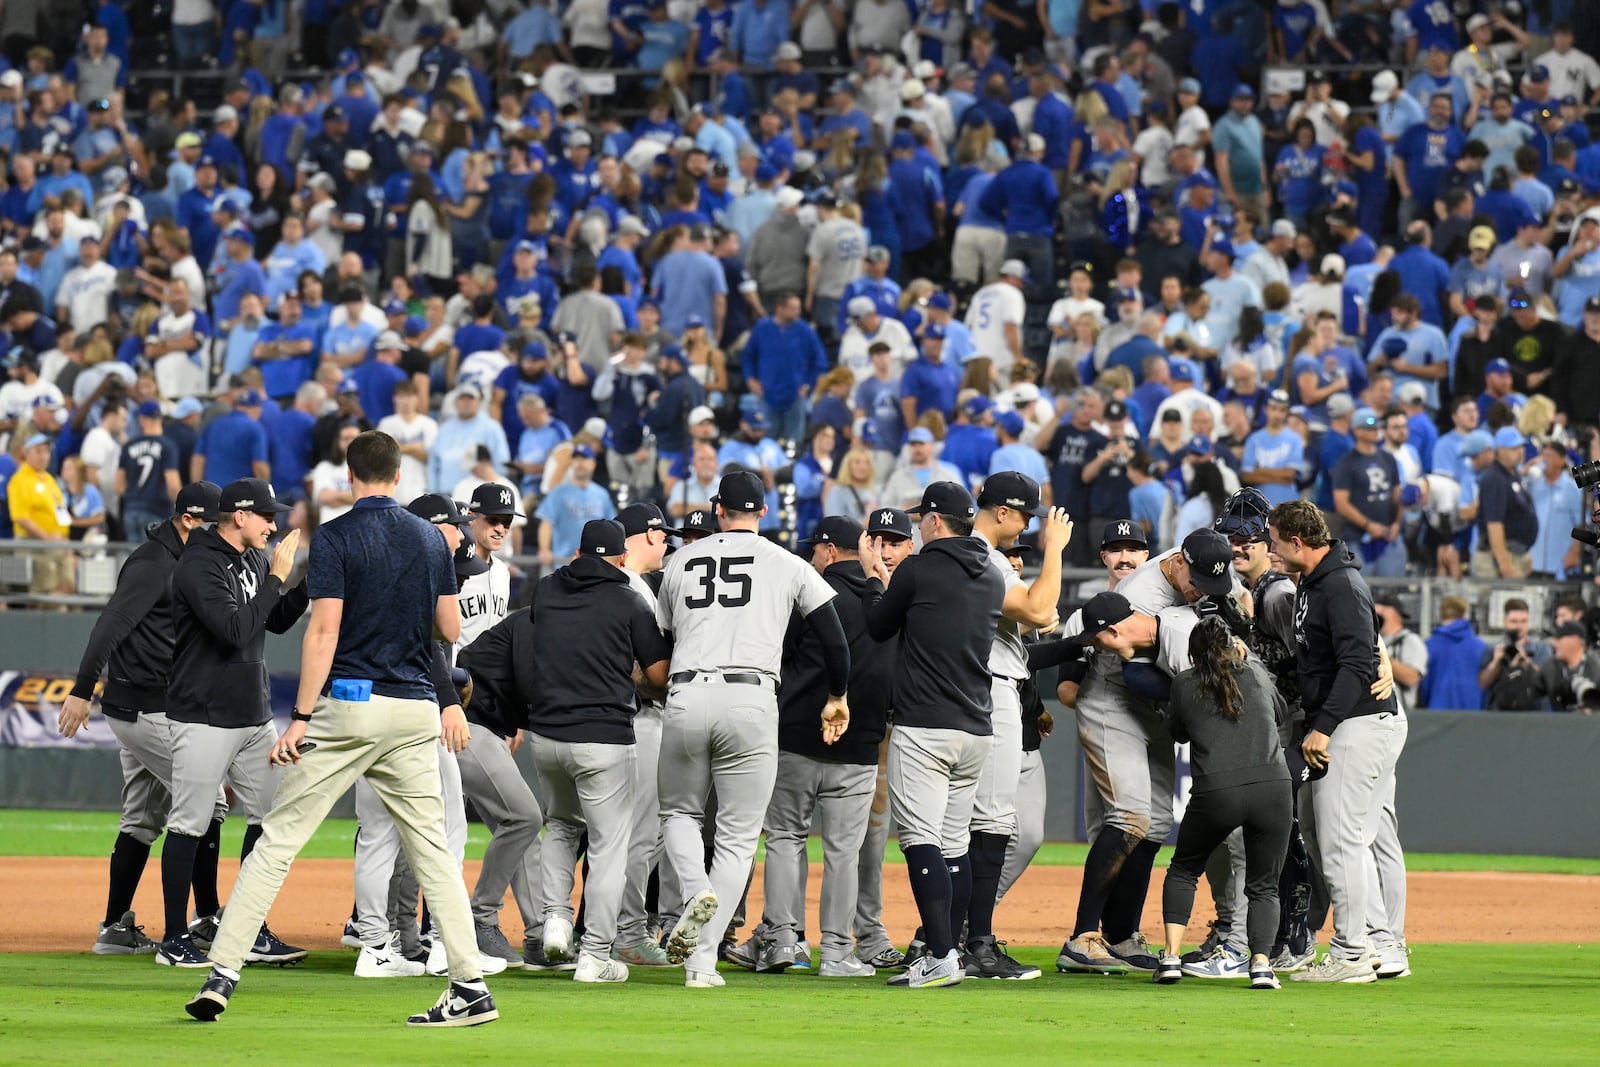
(728, 677)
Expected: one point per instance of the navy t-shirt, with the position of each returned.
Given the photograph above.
(232, 443)
(1370, 481)
(1069, 452)
(386, 631)
(145, 461)
(1108, 493)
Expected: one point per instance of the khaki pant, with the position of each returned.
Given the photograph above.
(390, 743)
(977, 254)
(1484, 566)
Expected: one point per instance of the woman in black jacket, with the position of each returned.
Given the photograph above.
(1228, 708)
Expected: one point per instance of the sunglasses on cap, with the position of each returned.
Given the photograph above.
(1518, 302)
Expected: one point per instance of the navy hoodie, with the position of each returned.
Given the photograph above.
(134, 633)
(1336, 642)
(944, 602)
(804, 690)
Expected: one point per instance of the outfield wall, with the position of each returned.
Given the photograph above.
(1469, 782)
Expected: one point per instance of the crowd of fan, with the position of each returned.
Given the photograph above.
(1072, 240)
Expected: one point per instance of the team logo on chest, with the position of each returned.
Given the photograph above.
(249, 583)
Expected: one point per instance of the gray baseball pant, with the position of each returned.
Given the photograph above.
(586, 787)
(1130, 759)
(1348, 802)
(842, 792)
(718, 732)
(1025, 844)
(871, 937)
(146, 757)
(203, 757)
(378, 846)
(1386, 850)
(491, 779)
(644, 846)
(994, 805)
(933, 778)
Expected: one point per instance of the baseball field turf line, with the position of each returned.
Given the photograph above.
(31, 832)
(1509, 1005)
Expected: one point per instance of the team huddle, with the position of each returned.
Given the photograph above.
(680, 705)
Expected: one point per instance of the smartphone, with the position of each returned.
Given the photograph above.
(305, 746)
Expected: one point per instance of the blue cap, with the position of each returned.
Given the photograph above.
(1538, 74)
(1394, 346)
(349, 386)
(414, 325)
(535, 350)
(353, 78)
(1181, 372)
(186, 407)
(933, 331)
(694, 322)
(1518, 298)
(1243, 92)
(1476, 442)
(978, 405)
(756, 417)
(1346, 188)
(1224, 247)
(1497, 366)
(920, 435)
(526, 246)
(675, 352)
(251, 399)
(149, 410)
(37, 439)
(1189, 85)
(902, 142)
(941, 300)
(394, 306)
(1410, 496)
(1509, 437)
(1199, 445)
(241, 233)
(583, 450)
(1011, 422)
(1365, 418)
(207, 160)
(1125, 295)
(765, 173)
(349, 57)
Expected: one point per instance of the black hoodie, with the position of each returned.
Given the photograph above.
(1336, 642)
(502, 662)
(224, 601)
(134, 633)
(590, 627)
(944, 602)
(804, 690)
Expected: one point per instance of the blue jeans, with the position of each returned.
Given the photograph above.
(1038, 252)
(1391, 564)
(789, 423)
(135, 522)
(190, 44)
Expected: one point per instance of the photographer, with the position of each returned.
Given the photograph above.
(1509, 671)
(1570, 679)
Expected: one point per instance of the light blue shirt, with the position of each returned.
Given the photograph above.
(535, 26)
(750, 211)
(567, 508)
(1425, 346)
(1560, 508)
(1536, 194)
(455, 450)
(1022, 459)
(718, 143)
(1228, 298)
(240, 350)
(758, 30)
(1501, 141)
(1264, 450)
(1396, 117)
(1582, 281)
(348, 338)
(285, 265)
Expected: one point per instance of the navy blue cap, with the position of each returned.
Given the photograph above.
(1103, 610)
(741, 491)
(697, 524)
(1122, 531)
(642, 518)
(1014, 490)
(1210, 560)
(836, 530)
(198, 499)
(492, 498)
(889, 522)
(250, 494)
(439, 509)
(602, 537)
(945, 498)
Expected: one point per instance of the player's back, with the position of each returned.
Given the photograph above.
(727, 599)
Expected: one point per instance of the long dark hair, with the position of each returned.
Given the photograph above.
(1216, 660)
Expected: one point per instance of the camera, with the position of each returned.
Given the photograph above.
(1586, 474)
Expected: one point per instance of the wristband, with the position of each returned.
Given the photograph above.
(298, 716)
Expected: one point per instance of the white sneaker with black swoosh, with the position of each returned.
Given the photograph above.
(386, 961)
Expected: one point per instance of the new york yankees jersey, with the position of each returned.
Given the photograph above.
(485, 599)
(726, 600)
(637, 583)
(1008, 657)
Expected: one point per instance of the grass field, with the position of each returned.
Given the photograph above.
(27, 832)
(1466, 1004)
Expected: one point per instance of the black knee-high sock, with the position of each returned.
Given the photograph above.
(960, 870)
(1100, 869)
(128, 857)
(252, 834)
(930, 885)
(177, 872)
(205, 870)
(1125, 907)
(987, 857)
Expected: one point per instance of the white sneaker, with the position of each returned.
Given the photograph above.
(1393, 960)
(702, 979)
(558, 939)
(438, 963)
(592, 968)
(849, 967)
(386, 961)
(1332, 969)
(929, 972)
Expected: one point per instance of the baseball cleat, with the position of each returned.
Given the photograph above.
(1287, 960)
(181, 952)
(592, 968)
(558, 940)
(492, 942)
(1088, 954)
(1169, 970)
(123, 938)
(1261, 977)
(890, 959)
(987, 958)
(849, 967)
(928, 972)
(1135, 951)
(1214, 939)
(697, 911)
(458, 1006)
(386, 961)
(351, 938)
(212, 1000)
(1224, 962)
(203, 931)
(702, 979)
(1332, 969)
(534, 959)
(269, 949)
(744, 955)
(644, 954)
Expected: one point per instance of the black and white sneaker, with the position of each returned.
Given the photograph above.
(212, 1000)
(268, 949)
(203, 931)
(985, 958)
(1261, 977)
(458, 1006)
(1169, 970)
(180, 951)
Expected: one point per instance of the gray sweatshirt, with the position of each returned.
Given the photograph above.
(1223, 752)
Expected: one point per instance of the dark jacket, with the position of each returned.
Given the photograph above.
(502, 663)
(1336, 639)
(1223, 752)
(1043, 655)
(134, 633)
(804, 690)
(944, 602)
(224, 602)
(590, 627)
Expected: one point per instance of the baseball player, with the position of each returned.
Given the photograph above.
(1351, 732)
(944, 605)
(1007, 502)
(1130, 757)
(1123, 549)
(725, 602)
(225, 596)
(590, 629)
(814, 778)
(647, 532)
(890, 531)
(132, 644)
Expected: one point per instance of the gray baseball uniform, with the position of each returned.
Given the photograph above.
(871, 935)
(644, 849)
(726, 601)
(146, 758)
(994, 806)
